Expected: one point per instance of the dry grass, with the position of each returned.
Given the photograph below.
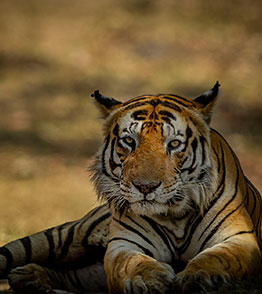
(34, 200)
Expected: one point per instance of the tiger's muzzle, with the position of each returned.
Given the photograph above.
(146, 188)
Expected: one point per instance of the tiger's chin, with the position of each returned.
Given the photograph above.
(154, 208)
(148, 208)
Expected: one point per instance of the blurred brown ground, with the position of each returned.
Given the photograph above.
(54, 53)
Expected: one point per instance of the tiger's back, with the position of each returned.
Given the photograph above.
(250, 195)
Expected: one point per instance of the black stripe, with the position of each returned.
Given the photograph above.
(136, 223)
(219, 192)
(171, 97)
(116, 130)
(254, 201)
(210, 206)
(202, 141)
(167, 113)
(171, 105)
(174, 235)
(258, 226)
(154, 103)
(167, 121)
(194, 144)
(179, 101)
(28, 248)
(68, 241)
(60, 229)
(134, 105)
(239, 233)
(222, 182)
(139, 114)
(95, 210)
(60, 242)
(223, 208)
(146, 124)
(112, 163)
(192, 225)
(93, 226)
(137, 99)
(51, 255)
(189, 134)
(131, 229)
(112, 149)
(247, 198)
(161, 234)
(103, 156)
(218, 160)
(132, 125)
(145, 250)
(9, 261)
(215, 229)
(167, 231)
(202, 174)
(153, 116)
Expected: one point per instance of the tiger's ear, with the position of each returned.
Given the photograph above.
(105, 104)
(206, 102)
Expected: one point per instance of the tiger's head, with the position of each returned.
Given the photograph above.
(156, 157)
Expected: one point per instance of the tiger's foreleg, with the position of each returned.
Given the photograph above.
(33, 278)
(225, 263)
(81, 241)
(130, 271)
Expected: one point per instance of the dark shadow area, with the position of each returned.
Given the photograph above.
(32, 142)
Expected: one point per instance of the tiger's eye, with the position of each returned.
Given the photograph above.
(174, 144)
(128, 140)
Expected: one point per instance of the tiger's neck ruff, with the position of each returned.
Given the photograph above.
(156, 157)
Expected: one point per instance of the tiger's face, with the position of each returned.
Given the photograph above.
(156, 157)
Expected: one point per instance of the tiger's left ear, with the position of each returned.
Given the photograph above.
(206, 102)
(105, 104)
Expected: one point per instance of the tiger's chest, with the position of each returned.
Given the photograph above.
(161, 238)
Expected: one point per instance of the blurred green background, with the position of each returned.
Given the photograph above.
(55, 53)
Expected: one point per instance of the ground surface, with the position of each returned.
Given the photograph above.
(253, 287)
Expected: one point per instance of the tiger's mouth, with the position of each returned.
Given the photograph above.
(150, 198)
(147, 207)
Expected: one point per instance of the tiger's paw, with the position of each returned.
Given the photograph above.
(31, 278)
(191, 281)
(150, 278)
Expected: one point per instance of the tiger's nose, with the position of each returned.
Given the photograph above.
(146, 188)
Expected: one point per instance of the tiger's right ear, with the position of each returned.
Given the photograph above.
(105, 104)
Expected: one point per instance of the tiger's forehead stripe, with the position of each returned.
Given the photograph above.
(175, 98)
(167, 113)
(139, 114)
(184, 102)
(152, 102)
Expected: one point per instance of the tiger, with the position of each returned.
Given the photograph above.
(177, 212)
